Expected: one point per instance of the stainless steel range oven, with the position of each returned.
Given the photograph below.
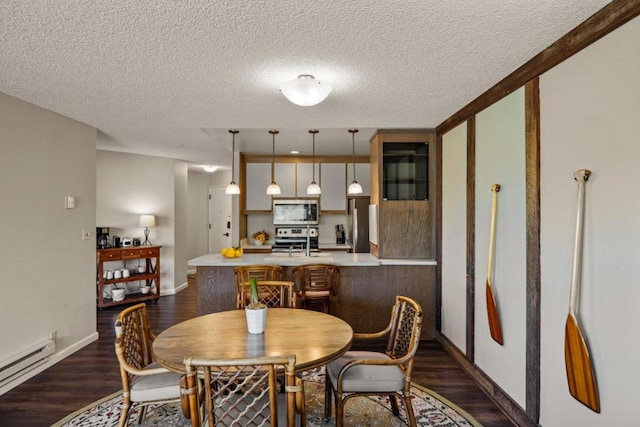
(295, 212)
(295, 239)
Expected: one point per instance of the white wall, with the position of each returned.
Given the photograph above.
(180, 229)
(590, 106)
(47, 273)
(198, 214)
(128, 185)
(500, 159)
(454, 236)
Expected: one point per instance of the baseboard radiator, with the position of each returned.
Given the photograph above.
(26, 360)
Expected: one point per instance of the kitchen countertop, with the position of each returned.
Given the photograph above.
(338, 258)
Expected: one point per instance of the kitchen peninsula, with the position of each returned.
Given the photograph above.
(365, 294)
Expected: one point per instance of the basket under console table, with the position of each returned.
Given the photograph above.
(150, 277)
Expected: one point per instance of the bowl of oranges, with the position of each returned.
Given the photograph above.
(231, 252)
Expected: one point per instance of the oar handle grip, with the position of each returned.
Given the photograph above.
(495, 188)
(581, 176)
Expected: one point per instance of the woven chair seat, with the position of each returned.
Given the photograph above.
(315, 294)
(155, 387)
(366, 378)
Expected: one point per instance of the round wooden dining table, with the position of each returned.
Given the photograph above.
(315, 338)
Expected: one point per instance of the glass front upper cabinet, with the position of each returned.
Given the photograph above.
(405, 171)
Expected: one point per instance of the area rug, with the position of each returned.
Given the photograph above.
(430, 408)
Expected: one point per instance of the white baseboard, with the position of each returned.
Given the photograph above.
(174, 291)
(53, 359)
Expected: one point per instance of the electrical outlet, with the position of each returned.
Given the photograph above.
(53, 335)
(86, 234)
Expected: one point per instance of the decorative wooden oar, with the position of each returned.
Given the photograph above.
(492, 308)
(580, 375)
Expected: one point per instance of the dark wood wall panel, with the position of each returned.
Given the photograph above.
(471, 237)
(405, 230)
(532, 123)
(216, 289)
(438, 228)
(364, 297)
(366, 294)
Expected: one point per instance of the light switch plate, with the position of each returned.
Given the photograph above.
(69, 202)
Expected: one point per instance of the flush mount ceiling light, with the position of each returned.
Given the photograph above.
(233, 188)
(354, 187)
(305, 90)
(313, 188)
(273, 189)
(210, 168)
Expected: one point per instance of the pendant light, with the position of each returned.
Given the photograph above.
(354, 187)
(273, 189)
(313, 188)
(233, 188)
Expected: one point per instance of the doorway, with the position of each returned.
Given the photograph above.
(220, 224)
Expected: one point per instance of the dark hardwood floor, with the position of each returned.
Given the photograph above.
(92, 373)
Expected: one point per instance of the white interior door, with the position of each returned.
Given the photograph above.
(220, 224)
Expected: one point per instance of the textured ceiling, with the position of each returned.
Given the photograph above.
(168, 78)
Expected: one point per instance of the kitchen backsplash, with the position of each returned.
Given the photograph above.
(326, 227)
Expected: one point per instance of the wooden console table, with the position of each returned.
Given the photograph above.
(150, 277)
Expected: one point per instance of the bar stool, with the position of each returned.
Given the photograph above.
(317, 283)
(242, 274)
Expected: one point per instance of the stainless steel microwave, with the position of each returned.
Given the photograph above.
(295, 211)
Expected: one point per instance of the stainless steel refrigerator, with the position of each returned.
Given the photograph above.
(359, 224)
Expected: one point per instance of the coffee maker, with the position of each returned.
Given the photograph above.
(102, 237)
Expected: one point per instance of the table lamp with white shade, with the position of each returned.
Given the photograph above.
(147, 221)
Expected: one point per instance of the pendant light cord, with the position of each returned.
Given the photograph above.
(313, 155)
(273, 152)
(353, 148)
(233, 155)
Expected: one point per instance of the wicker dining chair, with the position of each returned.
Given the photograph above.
(317, 284)
(272, 293)
(242, 392)
(143, 382)
(242, 274)
(359, 373)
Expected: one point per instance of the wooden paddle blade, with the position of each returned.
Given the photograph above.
(494, 318)
(580, 375)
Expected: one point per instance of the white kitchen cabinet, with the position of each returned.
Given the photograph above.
(258, 177)
(305, 177)
(334, 187)
(363, 175)
(285, 176)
